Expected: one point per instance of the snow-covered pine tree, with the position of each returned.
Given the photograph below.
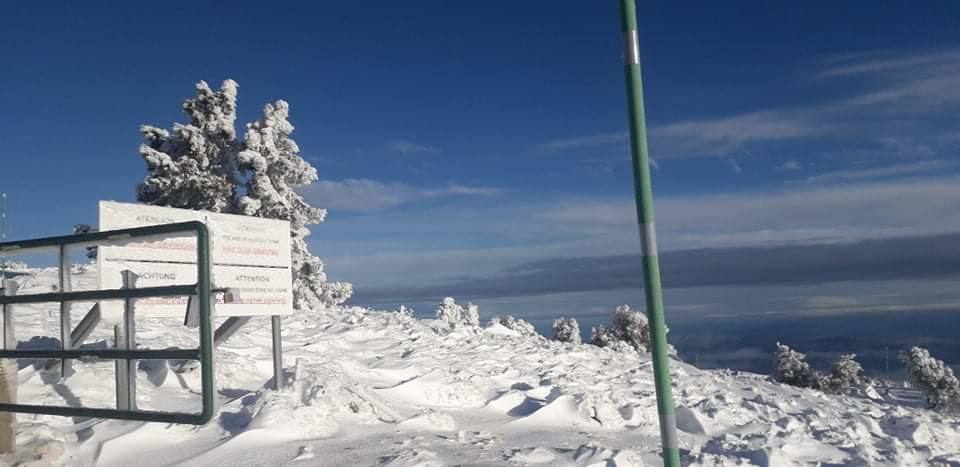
(934, 377)
(404, 311)
(633, 326)
(192, 167)
(793, 369)
(454, 314)
(845, 376)
(629, 327)
(567, 330)
(471, 316)
(273, 168)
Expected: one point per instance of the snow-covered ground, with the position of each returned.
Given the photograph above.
(383, 388)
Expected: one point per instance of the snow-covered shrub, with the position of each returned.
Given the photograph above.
(846, 376)
(628, 330)
(522, 326)
(567, 330)
(454, 314)
(793, 369)
(310, 281)
(472, 315)
(202, 165)
(608, 337)
(934, 377)
(405, 311)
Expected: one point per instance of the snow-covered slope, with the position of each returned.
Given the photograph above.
(382, 388)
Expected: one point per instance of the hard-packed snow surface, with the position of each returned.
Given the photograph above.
(385, 389)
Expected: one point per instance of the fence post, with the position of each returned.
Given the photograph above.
(63, 281)
(8, 371)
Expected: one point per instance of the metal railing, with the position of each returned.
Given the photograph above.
(125, 357)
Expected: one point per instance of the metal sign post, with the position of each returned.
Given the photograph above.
(277, 353)
(648, 237)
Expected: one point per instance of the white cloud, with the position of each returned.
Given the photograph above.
(588, 140)
(407, 147)
(363, 194)
(707, 137)
(791, 164)
(903, 83)
(891, 90)
(819, 301)
(455, 189)
(720, 136)
(916, 94)
(804, 215)
(735, 166)
(896, 170)
(884, 62)
(414, 249)
(906, 147)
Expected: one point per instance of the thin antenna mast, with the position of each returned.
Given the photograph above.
(3, 234)
(3, 217)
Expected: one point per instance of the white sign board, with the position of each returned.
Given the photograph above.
(250, 255)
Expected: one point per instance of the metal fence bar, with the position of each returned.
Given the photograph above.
(138, 415)
(96, 295)
(106, 235)
(106, 354)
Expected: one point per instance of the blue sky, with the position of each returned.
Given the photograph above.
(459, 141)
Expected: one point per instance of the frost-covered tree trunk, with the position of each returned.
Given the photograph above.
(271, 162)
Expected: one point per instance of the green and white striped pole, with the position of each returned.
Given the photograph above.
(648, 237)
